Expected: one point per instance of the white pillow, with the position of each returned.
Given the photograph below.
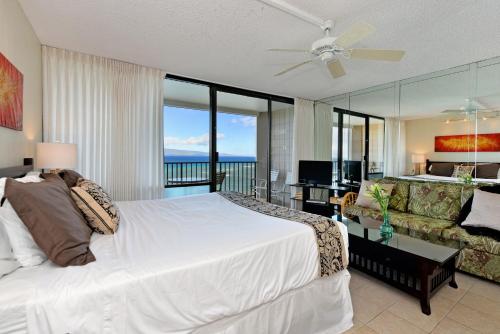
(25, 250)
(8, 263)
(30, 177)
(365, 200)
(485, 211)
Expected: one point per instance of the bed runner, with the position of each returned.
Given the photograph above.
(332, 257)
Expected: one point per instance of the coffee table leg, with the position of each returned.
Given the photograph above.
(425, 305)
(425, 299)
(453, 283)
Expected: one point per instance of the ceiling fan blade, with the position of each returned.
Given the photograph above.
(336, 69)
(292, 67)
(356, 33)
(377, 54)
(288, 50)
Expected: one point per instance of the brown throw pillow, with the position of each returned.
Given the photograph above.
(487, 171)
(97, 207)
(70, 177)
(53, 219)
(442, 168)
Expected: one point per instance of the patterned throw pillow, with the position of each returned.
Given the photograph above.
(461, 169)
(97, 207)
(400, 194)
(435, 200)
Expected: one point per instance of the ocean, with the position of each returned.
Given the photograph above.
(205, 158)
(240, 173)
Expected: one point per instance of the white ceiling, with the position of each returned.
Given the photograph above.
(224, 41)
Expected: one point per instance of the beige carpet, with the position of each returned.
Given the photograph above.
(378, 308)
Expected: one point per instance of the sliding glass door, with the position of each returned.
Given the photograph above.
(242, 144)
(186, 138)
(218, 138)
(358, 146)
(354, 136)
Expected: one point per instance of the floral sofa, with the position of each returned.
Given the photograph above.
(428, 210)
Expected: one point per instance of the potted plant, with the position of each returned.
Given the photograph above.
(381, 196)
(465, 178)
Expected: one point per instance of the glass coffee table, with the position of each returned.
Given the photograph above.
(415, 266)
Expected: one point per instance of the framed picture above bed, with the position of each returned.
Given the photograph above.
(489, 142)
(11, 95)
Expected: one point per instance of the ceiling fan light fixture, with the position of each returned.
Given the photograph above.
(329, 48)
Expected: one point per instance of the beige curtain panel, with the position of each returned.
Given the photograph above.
(113, 111)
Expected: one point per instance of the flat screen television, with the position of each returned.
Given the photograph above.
(352, 170)
(315, 172)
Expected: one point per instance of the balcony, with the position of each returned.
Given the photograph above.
(240, 175)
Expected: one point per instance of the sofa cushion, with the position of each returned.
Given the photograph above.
(400, 194)
(480, 263)
(441, 201)
(476, 242)
(404, 220)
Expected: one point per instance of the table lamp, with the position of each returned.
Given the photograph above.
(417, 159)
(56, 156)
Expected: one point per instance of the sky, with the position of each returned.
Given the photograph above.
(188, 129)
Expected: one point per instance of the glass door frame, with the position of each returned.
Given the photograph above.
(214, 88)
(366, 154)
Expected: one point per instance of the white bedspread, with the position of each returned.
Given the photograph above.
(428, 177)
(173, 266)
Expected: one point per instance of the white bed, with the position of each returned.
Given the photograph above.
(198, 264)
(428, 177)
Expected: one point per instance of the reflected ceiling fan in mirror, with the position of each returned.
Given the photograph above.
(330, 49)
(472, 107)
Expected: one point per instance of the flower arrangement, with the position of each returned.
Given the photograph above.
(465, 178)
(381, 196)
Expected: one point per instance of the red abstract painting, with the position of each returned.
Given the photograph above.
(11, 95)
(467, 143)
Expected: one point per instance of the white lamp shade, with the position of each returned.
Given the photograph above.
(56, 156)
(417, 158)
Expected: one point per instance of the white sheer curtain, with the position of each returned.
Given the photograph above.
(303, 134)
(395, 147)
(113, 111)
(323, 125)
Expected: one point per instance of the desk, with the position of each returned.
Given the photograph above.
(316, 198)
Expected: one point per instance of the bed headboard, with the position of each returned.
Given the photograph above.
(428, 163)
(17, 171)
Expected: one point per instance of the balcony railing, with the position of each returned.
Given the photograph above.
(240, 175)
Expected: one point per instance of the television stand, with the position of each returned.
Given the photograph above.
(320, 206)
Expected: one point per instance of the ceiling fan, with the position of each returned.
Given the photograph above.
(471, 107)
(329, 49)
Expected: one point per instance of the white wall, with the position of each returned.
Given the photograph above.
(20, 45)
(420, 138)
